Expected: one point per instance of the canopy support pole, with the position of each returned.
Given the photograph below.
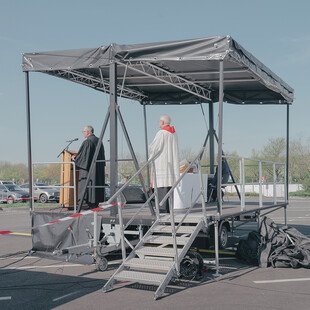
(287, 159)
(146, 145)
(29, 141)
(113, 132)
(211, 136)
(220, 139)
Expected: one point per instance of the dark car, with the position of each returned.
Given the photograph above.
(11, 193)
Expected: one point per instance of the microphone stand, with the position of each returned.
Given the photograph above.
(66, 148)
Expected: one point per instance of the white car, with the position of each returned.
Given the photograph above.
(42, 192)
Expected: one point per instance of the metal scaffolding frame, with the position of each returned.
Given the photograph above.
(167, 78)
(156, 73)
(159, 73)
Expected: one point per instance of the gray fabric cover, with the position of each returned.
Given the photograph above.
(246, 79)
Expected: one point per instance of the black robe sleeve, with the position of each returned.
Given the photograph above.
(84, 156)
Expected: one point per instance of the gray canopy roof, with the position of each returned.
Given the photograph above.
(172, 72)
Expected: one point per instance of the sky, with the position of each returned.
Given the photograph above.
(276, 32)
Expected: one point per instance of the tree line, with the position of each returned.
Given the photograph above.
(273, 151)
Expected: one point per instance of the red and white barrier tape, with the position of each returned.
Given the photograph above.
(78, 215)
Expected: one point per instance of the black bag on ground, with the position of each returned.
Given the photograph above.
(249, 250)
(283, 247)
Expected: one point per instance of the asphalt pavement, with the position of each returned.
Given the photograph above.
(38, 282)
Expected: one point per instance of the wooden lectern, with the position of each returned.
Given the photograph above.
(66, 198)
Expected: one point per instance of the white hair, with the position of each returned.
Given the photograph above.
(89, 128)
(166, 119)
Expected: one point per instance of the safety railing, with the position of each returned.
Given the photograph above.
(169, 196)
(260, 172)
(117, 197)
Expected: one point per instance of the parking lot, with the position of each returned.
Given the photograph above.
(37, 282)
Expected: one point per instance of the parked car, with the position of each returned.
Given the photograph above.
(42, 192)
(11, 193)
(7, 182)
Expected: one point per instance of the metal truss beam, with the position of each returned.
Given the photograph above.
(98, 84)
(205, 72)
(199, 81)
(167, 77)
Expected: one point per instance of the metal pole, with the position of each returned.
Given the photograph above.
(121, 226)
(211, 135)
(287, 158)
(95, 242)
(216, 245)
(274, 183)
(287, 148)
(174, 235)
(30, 174)
(220, 139)
(260, 174)
(146, 146)
(242, 184)
(155, 191)
(74, 186)
(203, 193)
(133, 155)
(231, 175)
(113, 132)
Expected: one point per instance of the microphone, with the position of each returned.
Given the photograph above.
(73, 140)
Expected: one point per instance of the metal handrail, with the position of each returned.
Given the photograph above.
(181, 177)
(117, 193)
(117, 196)
(174, 229)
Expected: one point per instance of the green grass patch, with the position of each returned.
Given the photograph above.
(299, 194)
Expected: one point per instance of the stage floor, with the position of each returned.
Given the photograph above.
(231, 208)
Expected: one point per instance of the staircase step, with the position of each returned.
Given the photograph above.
(157, 251)
(166, 240)
(168, 229)
(141, 277)
(191, 218)
(150, 264)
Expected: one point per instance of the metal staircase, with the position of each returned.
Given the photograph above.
(156, 258)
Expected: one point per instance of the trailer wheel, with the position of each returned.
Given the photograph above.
(224, 229)
(223, 237)
(101, 263)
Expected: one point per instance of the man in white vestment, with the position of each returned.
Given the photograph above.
(167, 163)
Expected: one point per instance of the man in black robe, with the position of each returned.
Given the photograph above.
(83, 161)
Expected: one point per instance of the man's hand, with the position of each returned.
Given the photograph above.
(73, 157)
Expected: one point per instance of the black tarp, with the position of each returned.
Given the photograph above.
(246, 79)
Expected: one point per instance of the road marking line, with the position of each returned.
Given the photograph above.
(6, 298)
(21, 234)
(9, 232)
(19, 257)
(64, 296)
(5, 232)
(282, 280)
(42, 267)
